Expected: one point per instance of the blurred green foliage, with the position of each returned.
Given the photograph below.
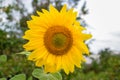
(16, 66)
(10, 44)
(107, 67)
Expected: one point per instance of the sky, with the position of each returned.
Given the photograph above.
(104, 24)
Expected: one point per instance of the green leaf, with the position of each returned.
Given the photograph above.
(38, 73)
(25, 53)
(3, 79)
(3, 58)
(43, 78)
(51, 77)
(30, 78)
(19, 77)
(57, 75)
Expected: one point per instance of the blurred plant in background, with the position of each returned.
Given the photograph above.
(13, 17)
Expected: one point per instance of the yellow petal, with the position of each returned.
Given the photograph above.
(78, 27)
(39, 13)
(45, 12)
(31, 34)
(75, 58)
(34, 44)
(50, 59)
(36, 25)
(58, 62)
(85, 36)
(63, 10)
(69, 64)
(53, 10)
(37, 54)
(49, 68)
(64, 66)
(82, 47)
(39, 63)
(34, 17)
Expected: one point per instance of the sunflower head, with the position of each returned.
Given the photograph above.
(56, 40)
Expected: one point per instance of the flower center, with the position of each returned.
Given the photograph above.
(58, 40)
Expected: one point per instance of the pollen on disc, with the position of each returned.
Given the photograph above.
(58, 40)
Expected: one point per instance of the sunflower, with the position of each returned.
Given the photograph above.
(56, 40)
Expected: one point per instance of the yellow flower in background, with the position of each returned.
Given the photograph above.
(56, 40)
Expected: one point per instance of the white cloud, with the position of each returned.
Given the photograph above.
(104, 17)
